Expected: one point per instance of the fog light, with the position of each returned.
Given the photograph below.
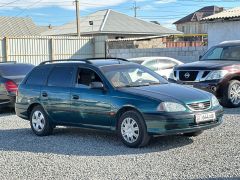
(213, 88)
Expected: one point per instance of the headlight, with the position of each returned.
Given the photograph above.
(219, 74)
(171, 107)
(215, 101)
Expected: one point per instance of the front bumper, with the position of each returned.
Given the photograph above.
(178, 123)
(214, 86)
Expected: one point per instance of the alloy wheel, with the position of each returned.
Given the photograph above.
(235, 94)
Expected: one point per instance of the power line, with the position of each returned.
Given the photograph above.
(6, 4)
(28, 7)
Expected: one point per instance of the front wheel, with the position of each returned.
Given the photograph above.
(39, 122)
(132, 130)
(231, 96)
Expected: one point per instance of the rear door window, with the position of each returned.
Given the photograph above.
(38, 76)
(61, 77)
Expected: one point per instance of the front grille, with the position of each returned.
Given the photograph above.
(201, 106)
(205, 74)
(188, 75)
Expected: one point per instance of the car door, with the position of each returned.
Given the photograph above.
(56, 96)
(90, 107)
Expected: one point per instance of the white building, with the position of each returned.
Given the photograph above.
(223, 26)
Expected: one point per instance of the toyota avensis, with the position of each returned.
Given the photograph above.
(114, 95)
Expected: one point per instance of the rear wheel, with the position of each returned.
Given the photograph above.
(231, 96)
(132, 130)
(39, 122)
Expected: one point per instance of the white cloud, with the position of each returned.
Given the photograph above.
(165, 1)
(84, 4)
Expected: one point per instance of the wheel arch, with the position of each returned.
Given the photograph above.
(235, 78)
(124, 109)
(30, 108)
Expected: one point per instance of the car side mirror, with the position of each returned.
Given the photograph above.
(200, 57)
(96, 85)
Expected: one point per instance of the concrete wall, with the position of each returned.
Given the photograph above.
(185, 54)
(223, 31)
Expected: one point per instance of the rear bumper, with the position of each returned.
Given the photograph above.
(176, 123)
(21, 112)
(7, 101)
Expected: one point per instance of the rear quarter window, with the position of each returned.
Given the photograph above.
(38, 76)
(61, 77)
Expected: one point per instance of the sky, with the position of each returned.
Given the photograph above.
(58, 12)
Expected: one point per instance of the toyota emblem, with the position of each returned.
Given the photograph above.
(187, 75)
(201, 105)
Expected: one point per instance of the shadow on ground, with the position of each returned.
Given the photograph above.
(232, 111)
(81, 142)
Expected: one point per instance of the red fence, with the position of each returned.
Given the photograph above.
(184, 44)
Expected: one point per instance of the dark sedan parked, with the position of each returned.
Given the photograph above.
(11, 74)
(114, 95)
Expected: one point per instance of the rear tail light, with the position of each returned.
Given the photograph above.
(11, 86)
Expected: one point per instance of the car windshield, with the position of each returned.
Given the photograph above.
(230, 53)
(131, 76)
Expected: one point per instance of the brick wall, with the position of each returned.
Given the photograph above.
(184, 54)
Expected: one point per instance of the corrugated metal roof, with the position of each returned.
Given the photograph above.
(200, 14)
(111, 22)
(17, 26)
(231, 13)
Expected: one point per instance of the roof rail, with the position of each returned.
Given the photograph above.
(14, 62)
(87, 60)
(66, 60)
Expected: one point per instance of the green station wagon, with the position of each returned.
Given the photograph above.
(113, 95)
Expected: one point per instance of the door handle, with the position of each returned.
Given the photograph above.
(75, 97)
(44, 94)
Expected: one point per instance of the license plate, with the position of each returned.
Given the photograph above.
(205, 117)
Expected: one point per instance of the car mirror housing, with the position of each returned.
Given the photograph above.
(200, 57)
(96, 85)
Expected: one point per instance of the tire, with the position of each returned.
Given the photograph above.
(193, 134)
(131, 138)
(228, 96)
(39, 122)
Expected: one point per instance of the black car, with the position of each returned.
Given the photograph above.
(11, 74)
(218, 72)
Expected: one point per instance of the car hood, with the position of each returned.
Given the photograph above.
(207, 65)
(170, 92)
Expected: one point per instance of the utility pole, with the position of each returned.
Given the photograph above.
(135, 8)
(77, 16)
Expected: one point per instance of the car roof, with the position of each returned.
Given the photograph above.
(229, 43)
(150, 58)
(10, 64)
(97, 62)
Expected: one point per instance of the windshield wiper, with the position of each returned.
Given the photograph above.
(136, 85)
(154, 83)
